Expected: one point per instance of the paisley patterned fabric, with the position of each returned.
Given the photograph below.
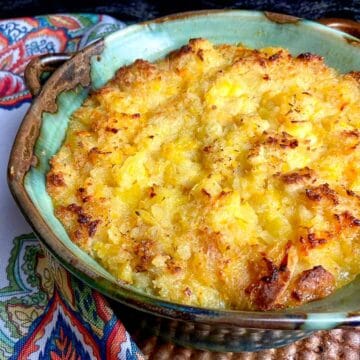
(45, 313)
(60, 317)
(25, 38)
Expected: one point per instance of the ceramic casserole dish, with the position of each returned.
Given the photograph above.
(44, 127)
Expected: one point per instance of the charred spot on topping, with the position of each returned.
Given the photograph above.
(140, 268)
(152, 192)
(77, 235)
(84, 219)
(346, 219)
(275, 56)
(307, 56)
(355, 75)
(291, 144)
(313, 284)
(56, 179)
(207, 148)
(130, 116)
(110, 129)
(262, 62)
(320, 192)
(86, 199)
(313, 195)
(205, 192)
(92, 227)
(172, 266)
(223, 193)
(352, 193)
(351, 133)
(284, 140)
(297, 176)
(266, 292)
(342, 107)
(186, 49)
(144, 251)
(313, 241)
(271, 140)
(254, 151)
(200, 54)
(266, 77)
(95, 150)
(75, 208)
(187, 291)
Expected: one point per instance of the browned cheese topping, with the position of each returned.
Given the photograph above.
(219, 176)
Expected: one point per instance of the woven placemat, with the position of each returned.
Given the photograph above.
(336, 344)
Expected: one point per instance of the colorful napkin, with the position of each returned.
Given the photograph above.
(45, 313)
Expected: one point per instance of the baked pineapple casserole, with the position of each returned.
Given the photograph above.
(219, 176)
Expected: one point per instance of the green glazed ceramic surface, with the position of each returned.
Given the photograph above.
(154, 40)
(151, 41)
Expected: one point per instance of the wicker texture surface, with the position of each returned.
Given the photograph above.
(336, 344)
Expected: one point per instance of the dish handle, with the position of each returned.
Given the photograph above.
(40, 68)
(349, 26)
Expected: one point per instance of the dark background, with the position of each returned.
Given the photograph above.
(136, 10)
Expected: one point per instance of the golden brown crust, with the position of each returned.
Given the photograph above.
(282, 141)
(144, 251)
(312, 241)
(309, 57)
(139, 71)
(300, 176)
(355, 75)
(266, 293)
(84, 219)
(193, 47)
(322, 192)
(285, 140)
(347, 220)
(189, 177)
(56, 180)
(313, 284)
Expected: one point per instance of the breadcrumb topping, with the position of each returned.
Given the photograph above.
(219, 176)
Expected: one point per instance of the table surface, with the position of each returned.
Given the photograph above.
(137, 10)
